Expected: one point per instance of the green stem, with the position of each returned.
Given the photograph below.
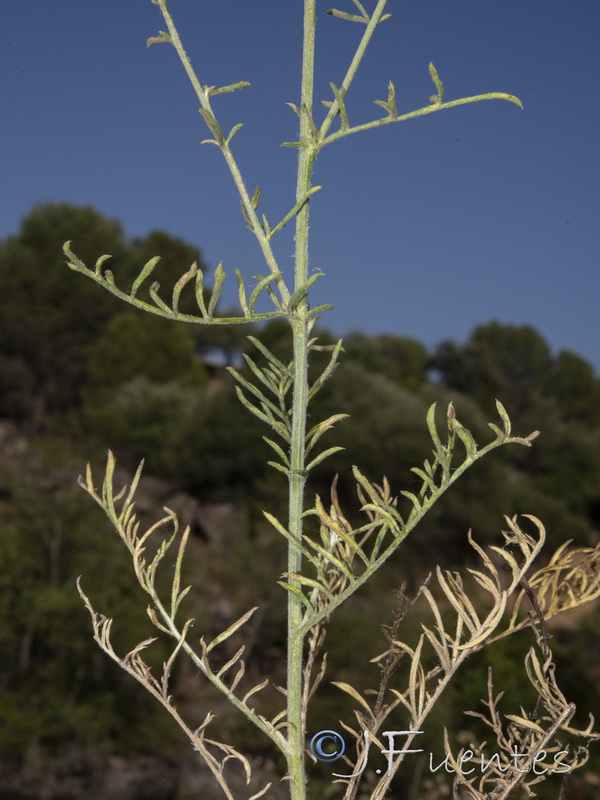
(421, 112)
(203, 96)
(358, 56)
(299, 321)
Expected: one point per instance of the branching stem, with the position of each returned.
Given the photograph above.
(297, 476)
(223, 144)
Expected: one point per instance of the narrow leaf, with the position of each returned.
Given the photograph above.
(231, 629)
(391, 91)
(233, 132)
(257, 393)
(213, 125)
(262, 284)
(361, 8)
(254, 689)
(231, 88)
(301, 293)
(216, 292)
(294, 210)
(504, 417)
(345, 122)
(156, 622)
(350, 17)
(233, 660)
(312, 583)
(333, 560)
(157, 300)
(279, 365)
(322, 456)
(299, 593)
(329, 369)
(322, 427)
(200, 293)
(439, 448)
(345, 687)
(438, 85)
(283, 456)
(280, 528)
(526, 723)
(100, 262)
(466, 437)
(242, 293)
(177, 289)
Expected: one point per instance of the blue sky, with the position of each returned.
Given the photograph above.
(424, 228)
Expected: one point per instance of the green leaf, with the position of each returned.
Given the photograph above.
(311, 124)
(233, 131)
(305, 581)
(439, 448)
(200, 293)
(360, 7)
(466, 438)
(266, 227)
(294, 210)
(328, 371)
(283, 456)
(320, 309)
(242, 293)
(213, 126)
(350, 17)
(439, 97)
(280, 528)
(299, 593)
(322, 427)
(275, 362)
(231, 629)
(257, 393)
(504, 417)
(273, 298)
(337, 563)
(413, 499)
(186, 278)
(100, 262)
(107, 486)
(234, 87)
(146, 270)
(154, 295)
(262, 284)
(345, 122)
(251, 407)
(74, 263)
(322, 456)
(296, 109)
(284, 470)
(216, 292)
(264, 376)
(254, 689)
(391, 102)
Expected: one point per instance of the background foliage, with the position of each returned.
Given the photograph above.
(72, 361)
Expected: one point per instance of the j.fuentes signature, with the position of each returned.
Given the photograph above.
(519, 762)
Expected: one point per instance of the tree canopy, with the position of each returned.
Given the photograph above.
(51, 318)
(137, 383)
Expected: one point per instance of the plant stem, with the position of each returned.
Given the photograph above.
(358, 57)
(203, 96)
(297, 479)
